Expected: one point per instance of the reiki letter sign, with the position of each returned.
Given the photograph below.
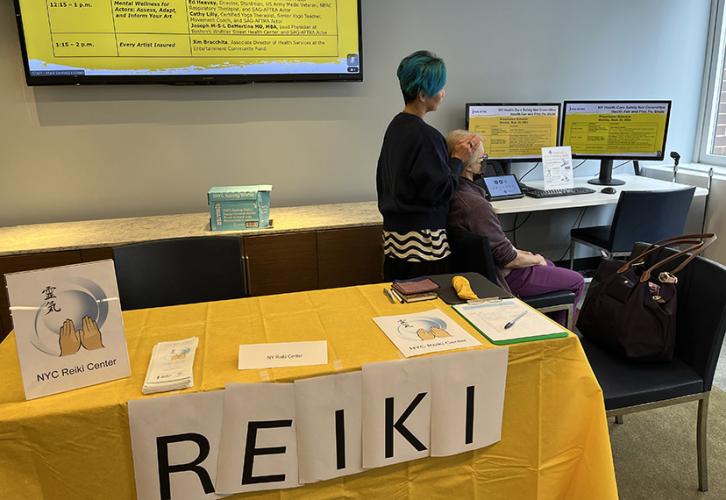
(253, 437)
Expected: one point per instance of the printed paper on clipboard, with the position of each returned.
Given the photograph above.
(490, 318)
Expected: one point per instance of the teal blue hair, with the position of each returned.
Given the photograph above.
(423, 72)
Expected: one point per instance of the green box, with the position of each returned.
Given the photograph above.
(234, 208)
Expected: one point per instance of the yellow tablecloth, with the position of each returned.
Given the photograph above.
(76, 445)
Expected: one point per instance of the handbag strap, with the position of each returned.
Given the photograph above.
(697, 241)
(684, 239)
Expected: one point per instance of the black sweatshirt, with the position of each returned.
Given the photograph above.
(416, 178)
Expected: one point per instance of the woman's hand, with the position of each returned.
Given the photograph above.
(526, 259)
(539, 260)
(465, 148)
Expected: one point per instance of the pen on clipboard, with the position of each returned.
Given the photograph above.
(486, 299)
(513, 321)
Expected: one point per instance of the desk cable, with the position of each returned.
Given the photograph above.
(573, 168)
(537, 165)
(529, 171)
(578, 165)
(516, 226)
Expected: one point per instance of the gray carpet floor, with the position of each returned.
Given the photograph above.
(719, 380)
(655, 451)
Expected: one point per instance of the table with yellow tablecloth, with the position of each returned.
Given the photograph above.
(76, 445)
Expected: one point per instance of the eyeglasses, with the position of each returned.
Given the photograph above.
(483, 158)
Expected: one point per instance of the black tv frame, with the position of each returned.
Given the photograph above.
(518, 160)
(184, 79)
(605, 178)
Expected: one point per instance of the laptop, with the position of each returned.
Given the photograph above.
(502, 187)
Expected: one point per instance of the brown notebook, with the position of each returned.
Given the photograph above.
(417, 286)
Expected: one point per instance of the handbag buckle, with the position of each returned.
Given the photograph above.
(666, 277)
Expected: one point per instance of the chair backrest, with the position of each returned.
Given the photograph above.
(180, 271)
(648, 216)
(470, 252)
(701, 312)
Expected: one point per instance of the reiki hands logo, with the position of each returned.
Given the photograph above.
(71, 340)
(432, 333)
(178, 354)
(71, 315)
(422, 329)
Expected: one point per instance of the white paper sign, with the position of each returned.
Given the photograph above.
(328, 411)
(282, 354)
(425, 332)
(68, 327)
(175, 443)
(557, 164)
(259, 449)
(396, 411)
(467, 400)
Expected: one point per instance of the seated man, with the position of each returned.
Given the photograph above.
(520, 272)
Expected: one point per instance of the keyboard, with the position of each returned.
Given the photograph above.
(554, 193)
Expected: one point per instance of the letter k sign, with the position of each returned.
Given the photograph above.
(396, 411)
(398, 425)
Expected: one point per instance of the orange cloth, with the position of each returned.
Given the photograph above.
(76, 444)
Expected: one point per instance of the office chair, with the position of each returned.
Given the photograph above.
(639, 216)
(701, 321)
(179, 271)
(470, 252)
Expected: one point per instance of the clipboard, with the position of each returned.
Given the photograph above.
(490, 318)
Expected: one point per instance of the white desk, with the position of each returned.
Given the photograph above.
(632, 183)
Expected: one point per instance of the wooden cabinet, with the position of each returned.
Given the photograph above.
(349, 257)
(306, 261)
(274, 263)
(94, 254)
(280, 263)
(27, 262)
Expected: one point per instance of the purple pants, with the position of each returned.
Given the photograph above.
(536, 280)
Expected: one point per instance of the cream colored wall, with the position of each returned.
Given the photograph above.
(70, 153)
(715, 221)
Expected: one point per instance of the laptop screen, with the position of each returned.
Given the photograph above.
(502, 186)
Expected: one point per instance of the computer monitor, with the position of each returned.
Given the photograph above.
(514, 131)
(615, 130)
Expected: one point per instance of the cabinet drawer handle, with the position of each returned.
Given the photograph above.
(248, 278)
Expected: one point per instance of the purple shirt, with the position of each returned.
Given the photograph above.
(471, 211)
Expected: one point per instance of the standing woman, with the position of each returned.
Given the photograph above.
(417, 175)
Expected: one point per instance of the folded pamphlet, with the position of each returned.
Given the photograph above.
(171, 366)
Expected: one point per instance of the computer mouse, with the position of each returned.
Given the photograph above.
(608, 190)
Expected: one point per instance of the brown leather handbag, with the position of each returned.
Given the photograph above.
(632, 311)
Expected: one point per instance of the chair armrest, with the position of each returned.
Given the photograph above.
(550, 299)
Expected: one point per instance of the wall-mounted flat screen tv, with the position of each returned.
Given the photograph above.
(189, 41)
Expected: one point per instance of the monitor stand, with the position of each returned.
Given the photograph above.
(606, 175)
(497, 167)
(506, 166)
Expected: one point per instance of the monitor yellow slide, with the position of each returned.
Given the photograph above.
(609, 130)
(514, 132)
(147, 41)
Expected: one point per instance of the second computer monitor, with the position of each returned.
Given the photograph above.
(615, 130)
(514, 132)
